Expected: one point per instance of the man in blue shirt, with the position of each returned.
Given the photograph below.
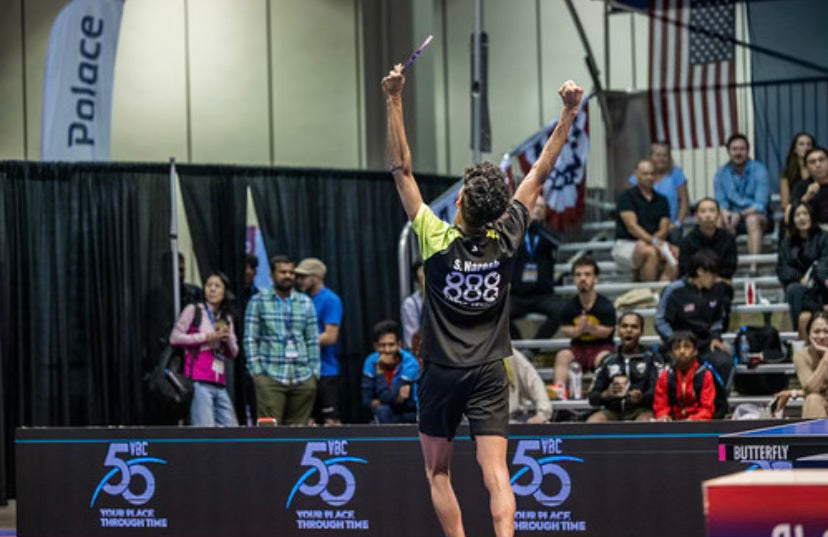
(389, 377)
(310, 278)
(741, 187)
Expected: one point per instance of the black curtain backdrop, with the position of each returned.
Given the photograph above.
(86, 282)
(215, 201)
(352, 221)
(79, 256)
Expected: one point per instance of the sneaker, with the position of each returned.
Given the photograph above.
(560, 391)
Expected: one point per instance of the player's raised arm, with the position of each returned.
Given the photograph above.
(528, 189)
(399, 156)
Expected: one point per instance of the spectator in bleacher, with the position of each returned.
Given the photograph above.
(741, 187)
(815, 189)
(795, 170)
(624, 383)
(533, 280)
(205, 330)
(811, 363)
(705, 235)
(389, 377)
(589, 320)
(698, 304)
(685, 389)
(671, 183)
(641, 225)
(815, 298)
(281, 345)
(528, 400)
(310, 278)
(804, 245)
(411, 311)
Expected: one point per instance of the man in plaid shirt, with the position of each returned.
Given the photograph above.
(281, 343)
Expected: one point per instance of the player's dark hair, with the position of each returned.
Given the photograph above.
(386, 327)
(485, 194)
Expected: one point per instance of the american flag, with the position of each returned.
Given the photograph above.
(692, 72)
(564, 188)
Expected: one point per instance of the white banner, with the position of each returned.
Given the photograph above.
(77, 83)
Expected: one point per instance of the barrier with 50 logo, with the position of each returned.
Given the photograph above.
(543, 477)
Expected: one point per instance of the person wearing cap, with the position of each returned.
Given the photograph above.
(310, 278)
(281, 345)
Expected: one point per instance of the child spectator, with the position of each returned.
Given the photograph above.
(684, 390)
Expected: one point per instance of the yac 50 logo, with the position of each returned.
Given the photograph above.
(327, 470)
(539, 468)
(119, 480)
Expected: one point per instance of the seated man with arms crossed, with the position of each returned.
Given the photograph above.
(641, 226)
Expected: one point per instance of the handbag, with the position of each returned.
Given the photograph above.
(169, 387)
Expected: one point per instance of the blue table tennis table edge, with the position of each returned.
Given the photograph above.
(789, 430)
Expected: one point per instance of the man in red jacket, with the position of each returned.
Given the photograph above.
(684, 390)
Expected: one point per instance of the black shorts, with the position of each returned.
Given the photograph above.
(325, 406)
(480, 392)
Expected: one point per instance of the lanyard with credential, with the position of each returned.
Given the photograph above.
(531, 245)
(287, 319)
(210, 315)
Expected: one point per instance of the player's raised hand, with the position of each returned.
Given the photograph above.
(393, 83)
(571, 95)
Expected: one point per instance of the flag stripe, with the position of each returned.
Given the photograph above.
(692, 98)
(656, 130)
(679, 68)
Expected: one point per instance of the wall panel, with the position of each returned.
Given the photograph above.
(314, 81)
(11, 81)
(228, 77)
(149, 101)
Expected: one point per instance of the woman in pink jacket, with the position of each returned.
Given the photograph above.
(207, 346)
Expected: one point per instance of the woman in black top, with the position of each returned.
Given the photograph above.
(795, 169)
(804, 244)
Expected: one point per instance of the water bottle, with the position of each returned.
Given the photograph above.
(744, 346)
(575, 380)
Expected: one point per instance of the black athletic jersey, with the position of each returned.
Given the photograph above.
(467, 279)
